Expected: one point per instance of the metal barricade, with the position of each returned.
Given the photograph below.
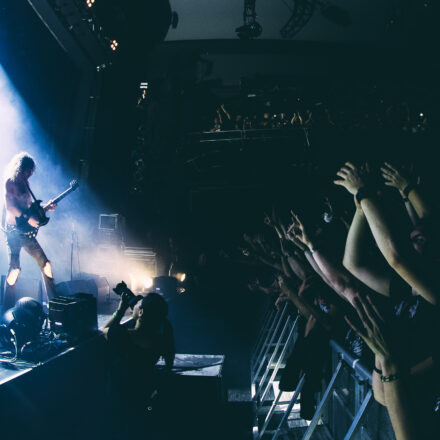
(267, 321)
(268, 346)
(346, 410)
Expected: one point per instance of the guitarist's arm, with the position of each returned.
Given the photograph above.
(50, 206)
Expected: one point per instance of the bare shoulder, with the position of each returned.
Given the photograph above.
(10, 186)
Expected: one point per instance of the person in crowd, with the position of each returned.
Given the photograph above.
(135, 350)
(224, 117)
(296, 120)
(379, 272)
(217, 125)
(381, 339)
(406, 275)
(239, 122)
(372, 110)
(265, 122)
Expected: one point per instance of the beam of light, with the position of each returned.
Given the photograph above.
(74, 224)
(11, 128)
(20, 131)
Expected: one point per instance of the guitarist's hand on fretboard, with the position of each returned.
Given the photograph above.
(50, 206)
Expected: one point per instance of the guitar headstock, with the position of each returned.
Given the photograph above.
(74, 184)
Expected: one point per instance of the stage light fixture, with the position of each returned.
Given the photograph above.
(90, 3)
(148, 282)
(114, 44)
(140, 281)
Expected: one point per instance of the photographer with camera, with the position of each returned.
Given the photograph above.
(135, 350)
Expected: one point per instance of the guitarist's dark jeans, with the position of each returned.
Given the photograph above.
(15, 242)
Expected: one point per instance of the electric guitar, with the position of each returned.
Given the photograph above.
(38, 211)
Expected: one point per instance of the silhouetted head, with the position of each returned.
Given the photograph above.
(425, 239)
(21, 166)
(150, 310)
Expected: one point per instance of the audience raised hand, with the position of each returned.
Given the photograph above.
(385, 285)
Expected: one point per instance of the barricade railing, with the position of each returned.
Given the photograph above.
(270, 341)
(346, 408)
(267, 320)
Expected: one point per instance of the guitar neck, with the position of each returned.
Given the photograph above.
(58, 198)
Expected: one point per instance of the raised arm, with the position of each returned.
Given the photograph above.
(379, 337)
(341, 281)
(402, 259)
(299, 268)
(415, 202)
(292, 294)
(356, 260)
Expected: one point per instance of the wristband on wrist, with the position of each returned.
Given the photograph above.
(390, 378)
(118, 312)
(408, 188)
(377, 370)
(363, 193)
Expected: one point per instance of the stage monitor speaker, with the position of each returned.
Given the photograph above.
(32, 287)
(98, 287)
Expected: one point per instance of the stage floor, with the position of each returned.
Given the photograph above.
(10, 370)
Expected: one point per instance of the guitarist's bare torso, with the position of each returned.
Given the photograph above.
(18, 193)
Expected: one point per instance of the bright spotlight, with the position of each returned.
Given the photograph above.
(140, 281)
(182, 277)
(113, 44)
(90, 3)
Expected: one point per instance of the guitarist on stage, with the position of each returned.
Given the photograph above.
(18, 201)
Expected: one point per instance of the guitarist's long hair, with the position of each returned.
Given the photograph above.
(20, 162)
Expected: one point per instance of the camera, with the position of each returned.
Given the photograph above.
(122, 289)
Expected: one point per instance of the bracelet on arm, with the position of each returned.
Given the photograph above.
(377, 370)
(389, 378)
(364, 193)
(407, 190)
(118, 314)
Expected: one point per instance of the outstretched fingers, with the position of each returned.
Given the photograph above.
(350, 165)
(339, 182)
(387, 164)
(342, 174)
(363, 316)
(378, 315)
(355, 327)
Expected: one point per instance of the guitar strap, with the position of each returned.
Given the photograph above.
(30, 191)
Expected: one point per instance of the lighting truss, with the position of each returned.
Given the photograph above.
(302, 12)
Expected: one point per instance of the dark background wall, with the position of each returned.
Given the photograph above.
(205, 216)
